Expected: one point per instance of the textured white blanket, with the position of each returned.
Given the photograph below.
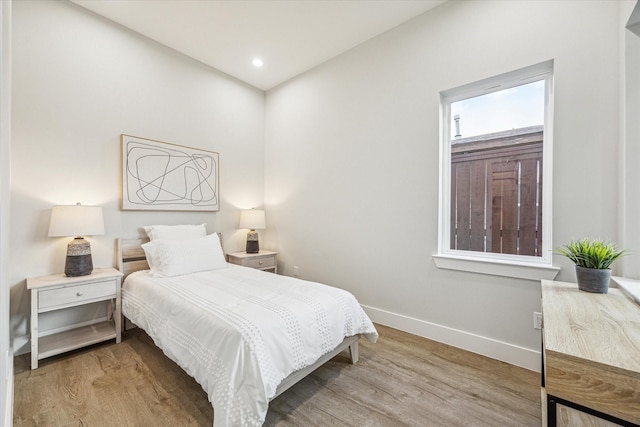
(239, 332)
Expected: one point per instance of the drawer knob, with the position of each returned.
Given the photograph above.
(260, 262)
(80, 293)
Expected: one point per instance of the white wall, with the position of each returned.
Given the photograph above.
(630, 230)
(79, 82)
(6, 352)
(352, 163)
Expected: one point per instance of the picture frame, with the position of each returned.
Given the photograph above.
(161, 176)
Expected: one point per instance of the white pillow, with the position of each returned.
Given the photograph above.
(169, 258)
(174, 232)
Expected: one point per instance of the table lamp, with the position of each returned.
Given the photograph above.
(77, 220)
(252, 219)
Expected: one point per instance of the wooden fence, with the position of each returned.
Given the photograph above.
(496, 196)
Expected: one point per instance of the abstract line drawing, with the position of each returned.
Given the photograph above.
(162, 176)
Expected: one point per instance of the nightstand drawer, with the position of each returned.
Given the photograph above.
(265, 262)
(71, 295)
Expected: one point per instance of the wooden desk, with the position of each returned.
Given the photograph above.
(591, 356)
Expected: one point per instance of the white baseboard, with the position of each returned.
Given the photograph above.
(505, 352)
(21, 345)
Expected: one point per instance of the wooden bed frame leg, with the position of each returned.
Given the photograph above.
(354, 350)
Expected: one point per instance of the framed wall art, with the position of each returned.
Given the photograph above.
(168, 177)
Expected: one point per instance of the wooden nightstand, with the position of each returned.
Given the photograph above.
(263, 260)
(59, 292)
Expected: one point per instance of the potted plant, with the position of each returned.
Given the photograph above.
(592, 258)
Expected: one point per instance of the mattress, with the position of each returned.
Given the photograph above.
(239, 332)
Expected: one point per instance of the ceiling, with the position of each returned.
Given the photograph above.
(289, 36)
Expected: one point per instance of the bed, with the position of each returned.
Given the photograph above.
(245, 335)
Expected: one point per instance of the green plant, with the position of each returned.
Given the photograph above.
(591, 253)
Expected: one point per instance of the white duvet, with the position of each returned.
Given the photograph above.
(239, 332)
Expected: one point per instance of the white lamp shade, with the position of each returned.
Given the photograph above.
(252, 219)
(76, 220)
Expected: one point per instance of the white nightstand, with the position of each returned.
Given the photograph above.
(59, 292)
(263, 260)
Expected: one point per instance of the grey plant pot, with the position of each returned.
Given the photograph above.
(593, 280)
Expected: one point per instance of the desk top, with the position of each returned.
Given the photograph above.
(592, 348)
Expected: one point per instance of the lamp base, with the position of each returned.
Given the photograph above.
(79, 261)
(253, 247)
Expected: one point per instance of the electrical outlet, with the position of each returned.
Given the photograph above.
(296, 271)
(537, 320)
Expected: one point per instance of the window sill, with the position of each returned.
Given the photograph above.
(528, 271)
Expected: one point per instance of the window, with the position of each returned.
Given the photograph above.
(495, 201)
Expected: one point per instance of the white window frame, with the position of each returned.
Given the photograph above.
(521, 266)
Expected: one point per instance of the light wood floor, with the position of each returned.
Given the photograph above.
(403, 380)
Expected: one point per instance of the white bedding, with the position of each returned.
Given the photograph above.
(239, 332)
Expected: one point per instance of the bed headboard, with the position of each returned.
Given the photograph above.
(131, 256)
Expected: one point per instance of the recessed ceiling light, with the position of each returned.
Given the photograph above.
(257, 62)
